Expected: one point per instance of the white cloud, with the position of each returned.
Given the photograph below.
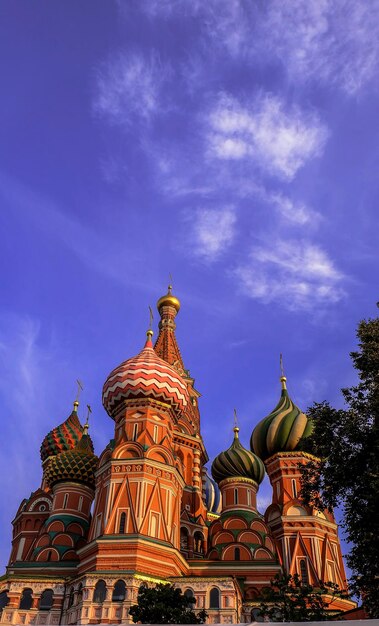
(128, 87)
(279, 139)
(292, 211)
(213, 232)
(296, 274)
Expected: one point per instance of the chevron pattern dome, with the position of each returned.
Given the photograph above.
(282, 430)
(63, 437)
(145, 376)
(237, 462)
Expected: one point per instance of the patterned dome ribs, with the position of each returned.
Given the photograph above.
(78, 465)
(282, 430)
(237, 462)
(212, 495)
(63, 437)
(145, 376)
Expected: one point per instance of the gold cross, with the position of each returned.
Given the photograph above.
(281, 365)
(151, 318)
(89, 411)
(80, 388)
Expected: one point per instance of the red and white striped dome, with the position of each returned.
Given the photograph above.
(145, 376)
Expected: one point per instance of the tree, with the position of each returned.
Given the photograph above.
(347, 443)
(290, 600)
(165, 604)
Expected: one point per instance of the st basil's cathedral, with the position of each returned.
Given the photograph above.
(147, 511)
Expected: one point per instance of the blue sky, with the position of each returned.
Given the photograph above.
(231, 143)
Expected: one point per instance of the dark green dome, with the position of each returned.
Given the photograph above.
(237, 462)
(282, 430)
(78, 465)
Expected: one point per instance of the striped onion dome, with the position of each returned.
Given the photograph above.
(237, 462)
(78, 465)
(282, 430)
(145, 376)
(211, 493)
(63, 437)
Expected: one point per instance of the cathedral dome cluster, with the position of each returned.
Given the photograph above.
(63, 437)
(282, 430)
(142, 376)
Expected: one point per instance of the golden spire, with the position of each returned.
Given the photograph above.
(80, 389)
(86, 425)
(235, 428)
(283, 379)
(169, 299)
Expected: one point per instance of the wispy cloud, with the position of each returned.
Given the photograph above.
(129, 87)
(296, 274)
(276, 138)
(294, 212)
(213, 231)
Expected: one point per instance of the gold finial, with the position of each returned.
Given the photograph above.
(150, 332)
(80, 389)
(283, 379)
(170, 283)
(235, 428)
(86, 425)
(168, 299)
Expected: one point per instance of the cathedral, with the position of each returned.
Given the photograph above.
(146, 510)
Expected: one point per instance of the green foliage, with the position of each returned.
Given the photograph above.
(290, 600)
(347, 443)
(165, 604)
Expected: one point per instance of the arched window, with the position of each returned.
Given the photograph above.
(26, 599)
(214, 598)
(46, 600)
(119, 591)
(71, 598)
(3, 600)
(121, 528)
(183, 538)
(189, 594)
(79, 594)
(237, 554)
(304, 571)
(100, 591)
(198, 542)
(256, 616)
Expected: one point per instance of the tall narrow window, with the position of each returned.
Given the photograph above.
(135, 432)
(80, 503)
(100, 592)
(303, 571)
(294, 488)
(214, 598)
(26, 599)
(278, 490)
(248, 497)
(121, 528)
(155, 434)
(119, 591)
(65, 500)
(237, 554)
(46, 600)
(236, 496)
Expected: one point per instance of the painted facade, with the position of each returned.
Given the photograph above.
(147, 511)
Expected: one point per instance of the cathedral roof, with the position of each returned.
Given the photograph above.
(78, 464)
(145, 376)
(237, 462)
(282, 430)
(62, 437)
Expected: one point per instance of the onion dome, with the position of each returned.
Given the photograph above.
(145, 376)
(237, 462)
(282, 430)
(78, 465)
(211, 494)
(168, 300)
(63, 437)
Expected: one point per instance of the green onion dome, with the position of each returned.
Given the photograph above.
(282, 430)
(63, 437)
(237, 462)
(78, 465)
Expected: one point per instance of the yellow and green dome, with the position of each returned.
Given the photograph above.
(78, 465)
(282, 430)
(237, 462)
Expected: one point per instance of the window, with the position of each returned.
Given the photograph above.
(154, 524)
(236, 496)
(237, 554)
(3, 600)
(294, 488)
(198, 542)
(26, 599)
(214, 598)
(155, 434)
(71, 598)
(65, 500)
(79, 595)
(135, 432)
(46, 600)
(121, 528)
(278, 490)
(119, 591)
(98, 525)
(183, 538)
(100, 592)
(248, 497)
(303, 571)
(189, 594)
(80, 503)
